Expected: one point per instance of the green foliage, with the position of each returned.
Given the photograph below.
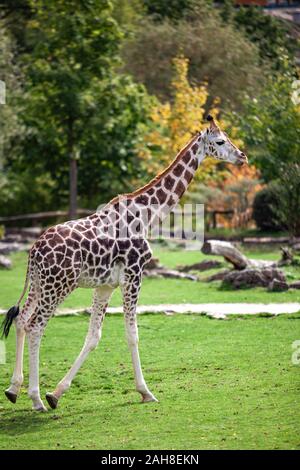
(67, 99)
(271, 127)
(25, 193)
(172, 9)
(272, 36)
(264, 208)
(218, 54)
(77, 105)
(11, 129)
(14, 15)
(128, 13)
(288, 210)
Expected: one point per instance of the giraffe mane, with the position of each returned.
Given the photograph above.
(160, 175)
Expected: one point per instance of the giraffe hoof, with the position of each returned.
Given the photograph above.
(11, 396)
(148, 397)
(41, 409)
(52, 400)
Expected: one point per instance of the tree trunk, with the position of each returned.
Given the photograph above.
(72, 173)
(73, 188)
(233, 255)
(227, 250)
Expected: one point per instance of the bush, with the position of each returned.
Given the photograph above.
(226, 60)
(265, 206)
(288, 211)
(25, 193)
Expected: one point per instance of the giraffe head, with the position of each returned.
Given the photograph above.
(219, 146)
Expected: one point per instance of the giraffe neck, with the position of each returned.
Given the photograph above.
(138, 211)
(166, 190)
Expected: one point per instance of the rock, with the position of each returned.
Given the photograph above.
(5, 262)
(12, 238)
(295, 285)
(278, 286)
(218, 276)
(6, 248)
(201, 266)
(253, 277)
(153, 264)
(25, 232)
(296, 247)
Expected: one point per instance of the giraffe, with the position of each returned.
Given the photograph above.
(85, 253)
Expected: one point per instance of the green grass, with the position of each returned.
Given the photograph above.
(220, 384)
(156, 291)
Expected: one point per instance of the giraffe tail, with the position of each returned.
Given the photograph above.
(14, 311)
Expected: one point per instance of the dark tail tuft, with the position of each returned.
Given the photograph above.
(12, 313)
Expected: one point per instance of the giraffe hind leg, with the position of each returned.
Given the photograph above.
(17, 379)
(35, 330)
(100, 302)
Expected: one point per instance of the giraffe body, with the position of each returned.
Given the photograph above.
(103, 251)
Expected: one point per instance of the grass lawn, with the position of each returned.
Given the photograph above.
(157, 291)
(221, 385)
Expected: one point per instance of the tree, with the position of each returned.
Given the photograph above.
(271, 127)
(71, 49)
(174, 123)
(14, 15)
(11, 129)
(128, 13)
(288, 193)
(272, 36)
(81, 115)
(265, 208)
(172, 9)
(217, 53)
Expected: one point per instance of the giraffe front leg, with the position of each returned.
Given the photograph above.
(34, 340)
(133, 341)
(130, 296)
(101, 298)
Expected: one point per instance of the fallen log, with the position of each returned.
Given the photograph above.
(295, 285)
(6, 248)
(5, 262)
(253, 277)
(287, 257)
(278, 286)
(201, 266)
(217, 276)
(234, 256)
(153, 264)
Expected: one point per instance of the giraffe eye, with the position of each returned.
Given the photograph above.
(220, 142)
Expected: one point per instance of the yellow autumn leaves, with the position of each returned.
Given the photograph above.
(174, 123)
